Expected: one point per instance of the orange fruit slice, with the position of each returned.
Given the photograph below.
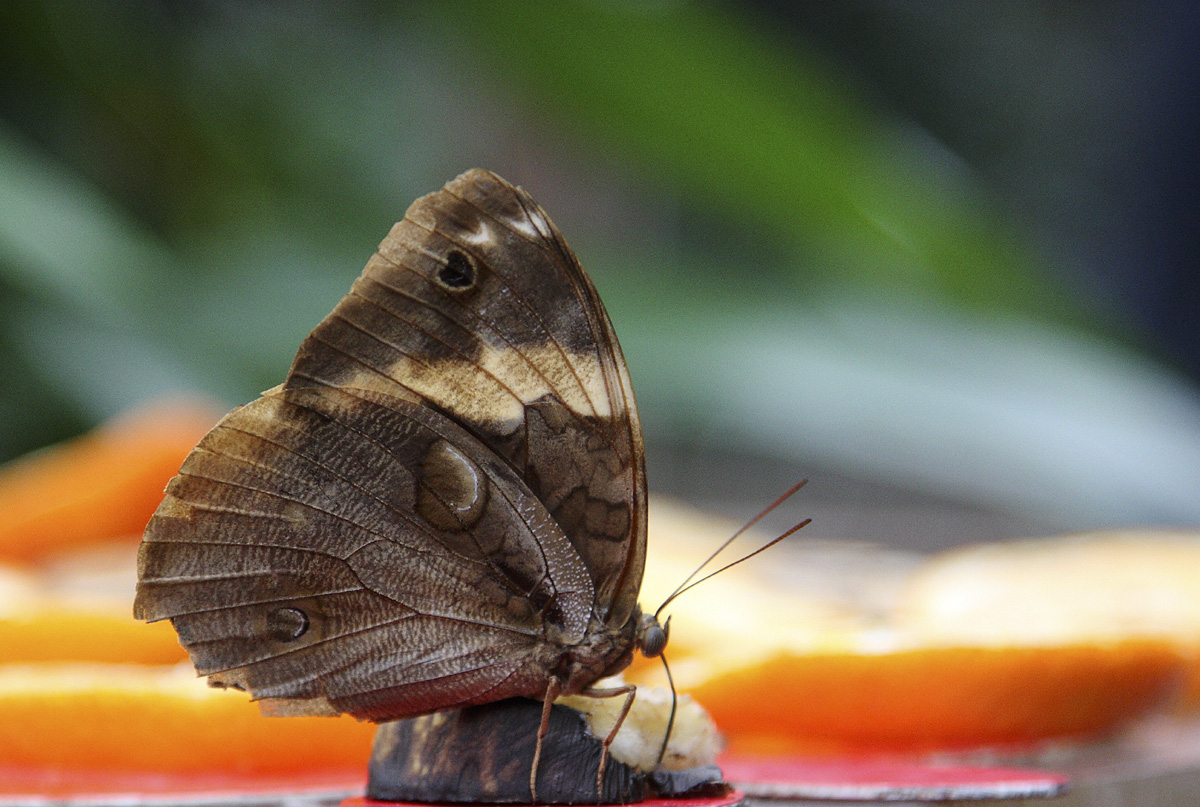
(987, 646)
(937, 698)
(1101, 587)
(50, 633)
(102, 485)
(79, 608)
(130, 718)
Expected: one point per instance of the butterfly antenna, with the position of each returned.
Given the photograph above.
(730, 565)
(687, 583)
(662, 752)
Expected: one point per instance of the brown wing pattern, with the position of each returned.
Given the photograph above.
(475, 305)
(446, 493)
(353, 552)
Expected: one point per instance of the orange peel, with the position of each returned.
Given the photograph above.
(988, 646)
(938, 698)
(53, 633)
(102, 485)
(132, 718)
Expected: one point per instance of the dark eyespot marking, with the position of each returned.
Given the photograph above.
(457, 273)
(287, 624)
(454, 490)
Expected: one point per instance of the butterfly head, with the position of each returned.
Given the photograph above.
(651, 636)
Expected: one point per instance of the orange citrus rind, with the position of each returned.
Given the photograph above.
(135, 718)
(80, 609)
(54, 633)
(1001, 646)
(100, 486)
(938, 698)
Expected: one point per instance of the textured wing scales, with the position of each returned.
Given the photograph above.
(475, 305)
(447, 490)
(292, 554)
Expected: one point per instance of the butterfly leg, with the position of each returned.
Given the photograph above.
(553, 688)
(630, 692)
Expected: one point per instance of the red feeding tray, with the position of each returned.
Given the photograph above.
(722, 801)
(25, 786)
(884, 780)
(768, 778)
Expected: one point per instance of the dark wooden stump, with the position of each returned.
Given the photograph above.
(483, 755)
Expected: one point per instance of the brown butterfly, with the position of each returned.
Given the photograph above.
(445, 502)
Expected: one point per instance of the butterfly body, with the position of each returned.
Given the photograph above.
(444, 503)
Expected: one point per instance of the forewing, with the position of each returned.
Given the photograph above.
(475, 304)
(351, 551)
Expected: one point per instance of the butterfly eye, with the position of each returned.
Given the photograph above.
(457, 273)
(654, 641)
(287, 624)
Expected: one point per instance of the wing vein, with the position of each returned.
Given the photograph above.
(311, 461)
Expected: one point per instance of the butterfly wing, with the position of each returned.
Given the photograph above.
(475, 303)
(447, 489)
(357, 553)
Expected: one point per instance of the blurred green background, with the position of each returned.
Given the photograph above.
(938, 257)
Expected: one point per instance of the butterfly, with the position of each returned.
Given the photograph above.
(443, 505)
